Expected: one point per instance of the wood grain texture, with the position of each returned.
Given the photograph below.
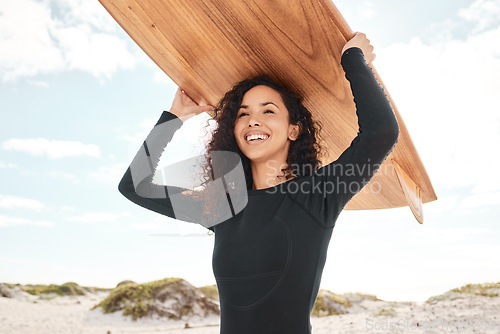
(206, 47)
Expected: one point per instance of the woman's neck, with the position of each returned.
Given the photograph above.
(267, 174)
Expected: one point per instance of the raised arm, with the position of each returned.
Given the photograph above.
(377, 135)
(136, 184)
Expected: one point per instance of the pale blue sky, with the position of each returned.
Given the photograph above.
(78, 97)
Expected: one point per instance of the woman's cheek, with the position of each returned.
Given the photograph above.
(236, 128)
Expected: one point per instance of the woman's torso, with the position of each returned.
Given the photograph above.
(268, 261)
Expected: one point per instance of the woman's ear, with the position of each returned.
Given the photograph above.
(294, 131)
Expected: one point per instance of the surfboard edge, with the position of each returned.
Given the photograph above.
(411, 190)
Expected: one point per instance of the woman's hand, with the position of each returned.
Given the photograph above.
(359, 40)
(183, 107)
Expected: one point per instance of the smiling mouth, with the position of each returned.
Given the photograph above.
(256, 138)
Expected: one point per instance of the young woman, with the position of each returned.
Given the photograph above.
(268, 256)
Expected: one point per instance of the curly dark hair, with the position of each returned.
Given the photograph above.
(303, 153)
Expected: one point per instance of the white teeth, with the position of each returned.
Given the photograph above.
(256, 136)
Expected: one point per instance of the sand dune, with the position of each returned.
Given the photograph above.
(462, 311)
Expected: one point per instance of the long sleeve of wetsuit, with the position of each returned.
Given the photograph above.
(136, 185)
(205, 206)
(377, 135)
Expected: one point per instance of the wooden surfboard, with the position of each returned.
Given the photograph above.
(207, 46)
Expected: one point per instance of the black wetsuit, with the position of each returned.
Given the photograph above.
(268, 259)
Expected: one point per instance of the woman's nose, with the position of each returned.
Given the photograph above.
(253, 121)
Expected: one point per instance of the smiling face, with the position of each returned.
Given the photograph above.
(262, 128)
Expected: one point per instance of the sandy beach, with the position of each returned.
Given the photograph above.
(50, 314)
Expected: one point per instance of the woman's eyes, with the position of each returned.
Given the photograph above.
(246, 114)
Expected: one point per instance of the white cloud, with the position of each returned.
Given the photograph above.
(40, 37)
(447, 94)
(366, 9)
(482, 199)
(83, 12)
(39, 83)
(112, 174)
(97, 217)
(350, 10)
(485, 13)
(54, 149)
(443, 204)
(15, 202)
(148, 226)
(448, 236)
(6, 221)
(95, 53)
(169, 227)
(7, 165)
(160, 77)
(183, 144)
(60, 174)
(136, 139)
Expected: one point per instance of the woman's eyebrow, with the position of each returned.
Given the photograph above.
(244, 106)
(266, 103)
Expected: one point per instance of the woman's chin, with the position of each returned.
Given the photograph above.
(256, 156)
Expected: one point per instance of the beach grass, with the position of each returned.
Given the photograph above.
(133, 298)
(65, 289)
(210, 291)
